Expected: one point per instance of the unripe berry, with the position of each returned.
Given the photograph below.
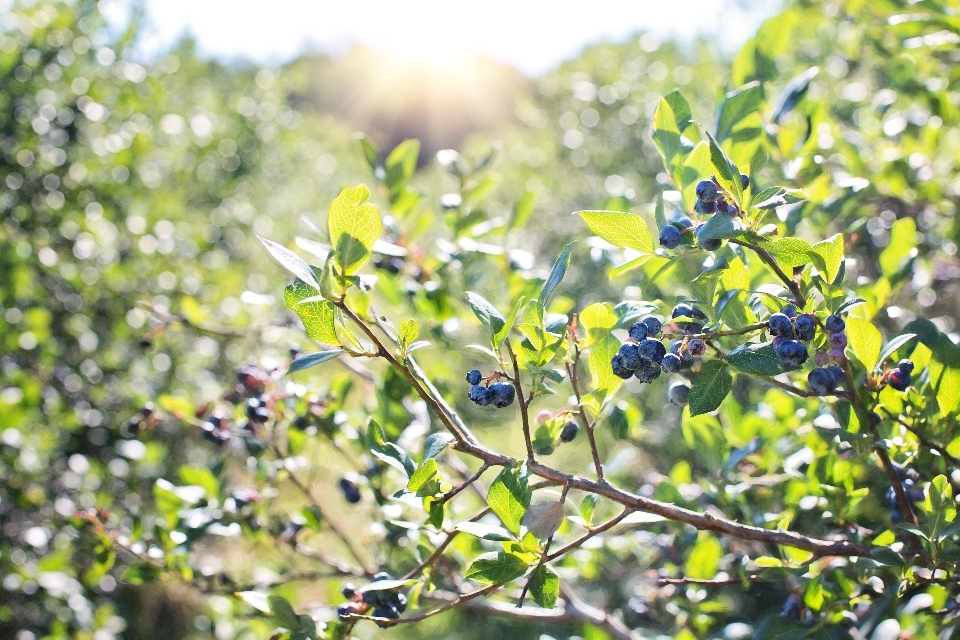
(838, 340)
(697, 347)
(542, 416)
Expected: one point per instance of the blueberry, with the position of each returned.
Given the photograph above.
(350, 490)
(906, 366)
(780, 325)
(399, 601)
(682, 309)
(678, 394)
(697, 347)
(503, 394)
(347, 609)
(382, 575)
(821, 381)
(671, 363)
(349, 591)
(898, 379)
(790, 311)
(385, 612)
(806, 326)
(838, 340)
(619, 369)
(653, 325)
(630, 356)
(744, 180)
(474, 376)
(692, 312)
(649, 372)
(257, 411)
(638, 331)
(710, 244)
(791, 353)
(683, 223)
(651, 351)
(705, 207)
(835, 324)
(481, 395)
(569, 431)
(839, 375)
(669, 237)
(706, 190)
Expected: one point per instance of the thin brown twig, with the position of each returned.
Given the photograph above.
(595, 531)
(587, 424)
(719, 334)
(771, 262)
(429, 614)
(524, 403)
(463, 485)
(433, 557)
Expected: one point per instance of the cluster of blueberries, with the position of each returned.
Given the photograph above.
(709, 201)
(899, 376)
(498, 394)
(645, 357)
(386, 603)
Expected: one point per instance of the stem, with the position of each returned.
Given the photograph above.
(463, 485)
(711, 582)
(789, 388)
(759, 326)
(923, 439)
(588, 425)
(433, 557)
(429, 614)
(543, 556)
(764, 255)
(609, 524)
(524, 404)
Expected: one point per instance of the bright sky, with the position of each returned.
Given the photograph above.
(532, 35)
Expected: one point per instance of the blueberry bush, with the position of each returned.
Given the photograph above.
(721, 415)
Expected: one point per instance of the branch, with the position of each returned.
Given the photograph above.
(463, 485)
(764, 255)
(712, 582)
(433, 557)
(612, 522)
(759, 326)
(923, 439)
(429, 614)
(524, 404)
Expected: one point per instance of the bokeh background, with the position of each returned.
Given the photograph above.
(144, 146)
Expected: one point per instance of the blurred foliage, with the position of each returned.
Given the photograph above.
(135, 479)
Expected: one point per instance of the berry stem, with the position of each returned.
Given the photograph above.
(524, 402)
(584, 417)
(764, 255)
(463, 485)
(759, 326)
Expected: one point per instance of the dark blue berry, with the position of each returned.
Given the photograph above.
(898, 379)
(349, 591)
(682, 309)
(835, 324)
(705, 207)
(706, 190)
(569, 431)
(710, 244)
(503, 394)
(474, 376)
(821, 381)
(651, 351)
(686, 359)
(350, 490)
(399, 602)
(692, 312)
(744, 180)
(791, 353)
(669, 237)
(839, 375)
(671, 363)
(790, 311)
(619, 369)
(638, 331)
(780, 325)
(697, 347)
(630, 356)
(649, 372)
(653, 325)
(906, 366)
(683, 223)
(385, 612)
(805, 326)
(678, 394)
(382, 575)
(481, 395)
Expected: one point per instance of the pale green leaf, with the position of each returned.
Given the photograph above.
(624, 230)
(354, 225)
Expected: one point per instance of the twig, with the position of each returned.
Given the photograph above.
(429, 614)
(463, 485)
(433, 557)
(543, 555)
(711, 582)
(524, 403)
(923, 439)
(597, 617)
(764, 255)
(588, 425)
(609, 524)
(719, 334)
(789, 388)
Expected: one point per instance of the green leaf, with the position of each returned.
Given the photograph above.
(496, 568)
(167, 502)
(666, 132)
(409, 331)
(587, 507)
(601, 372)
(400, 165)
(831, 251)
(311, 359)
(893, 345)
(720, 227)
(902, 245)
(709, 387)
(283, 612)
(423, 481)
(737, 105)
(773, 197)
(435, 444)
(354, 225)
(290, 261)
(789, 252)
(624, 230)
(201, 477)
(318, 317)
(388, 452)
(485, 531)
(757, 359)
(704, 558)
(728, 175)
(792, 94)
(545, 587)
(509, 497)
(556, 275)
(501, 335)
(865, 341)
(369, 151)
(522, 210)
(489, 317)
(598, 319)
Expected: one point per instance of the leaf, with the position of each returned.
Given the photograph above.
(831, 250)
(290, 261)
(311, 359)
(318, 317)
(485, 531)
(424, 478)
(409, 331)
(773, 197)
(436, 442)
(704, 558)
(792, 94)
(737, 105)
(522, 210)
(893, 345)
(354, 225)
(388, 452)
(789, 252)
(369, 151)
(509, 497)
(601, 372)
(201, 477)
(720, 227)
(624, 230)
(598, 319)
(902, 245)
(400, 166)
(496, 568)
(865, 341)
(757, 359)
(709, 387)
(543, 519)
(556, 275)
(508, 325)
(283, 613)
(489, 317)
(386, 585)
(587, 507)
(256, 599)
(545, 587)
(727, 172)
